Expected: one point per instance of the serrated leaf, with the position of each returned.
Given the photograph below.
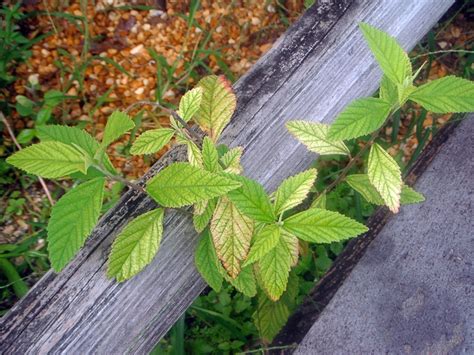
(49, 160)
(263, 242)
(194, 154)
(388, 91)
(384, 173)
(202, 220)
(319, 202)
(136, 245)
(391, 57)
(210, 156)
(217, 105)
(322, 226)
(230, 161)
(448, 94)
(207, 262)
(200, 207)
(245, 282)
(274, 268)
(294, 190)
(291, 243)
(152, 141)
(361, 117)
(69, 136)
(315, 137)
(270, 317)
(231, 232)
(182, 184)
(190, 103)
(72, 219)
(117, 124)
(252, 200)
(409, 196)
(362, 184)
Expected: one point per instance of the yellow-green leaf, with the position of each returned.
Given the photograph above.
(409, 196)
(210, 156)
(136, 246)
(384, 173)
(117, 124)
(207, 262)
(152, 141)
(201, 221)
(190, 103)
(264, 241)
(230, 161)
(294, 190)
(245, 282)
(231, 232)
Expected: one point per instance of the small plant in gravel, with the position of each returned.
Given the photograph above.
(248, 237)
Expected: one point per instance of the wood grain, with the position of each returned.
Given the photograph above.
(317, 67)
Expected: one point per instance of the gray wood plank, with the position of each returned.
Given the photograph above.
(318, 66)
(412, 291)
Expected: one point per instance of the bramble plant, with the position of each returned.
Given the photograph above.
(247, 237)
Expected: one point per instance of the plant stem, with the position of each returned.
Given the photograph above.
(173, 113)
(119, 178)
(12, 136)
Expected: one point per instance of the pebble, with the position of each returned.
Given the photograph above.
(137, 49)
(139, 91)
(109, 81)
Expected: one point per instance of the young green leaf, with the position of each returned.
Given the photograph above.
(70, 136)
(190, 103)
(314, 136)
(322, 226)
(388, 91)
(384, 173)
(202, 220)
(49, 160)
(182, 184)
(448, 94)
(207, 262)
(245, 282)
(264, 241)
(361, 117)
(194, 154)
(291, 244)
(210, 157)
(72, 219)
(362, 184)
(270, 317)
(217, 105)
(230, 161)
(252, 200)
(409, 196)
(319, 202)
(152, 141)
(274, 268)
(391, 57)
(136, 246)
(231, 232)
(117, 124)
(294, 190)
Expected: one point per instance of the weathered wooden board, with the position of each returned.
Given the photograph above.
(315, 69)
(412, 291)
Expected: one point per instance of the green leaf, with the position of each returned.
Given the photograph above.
(194, 154)
(152, 141)
(24, 106)
(263, 242)
(361, 117)
(270, 317)
(202, 220)
(190, 103)
(231, 232)
(291, 243)
(210, 156)
(245, 282)
(448, 94)
(217, 105)
(384, 173)
(230, 161)
(391, 57)
(294, 190)
(319, 202)
(388, 91)
(207, 262)
(136, 246)
(409, 196)
(69, 135)
(72, 219)
(274, 268)
(322, 226)
(117, 124)
(49, 160)
(314, 136)
(362, 184)
(182, 184)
